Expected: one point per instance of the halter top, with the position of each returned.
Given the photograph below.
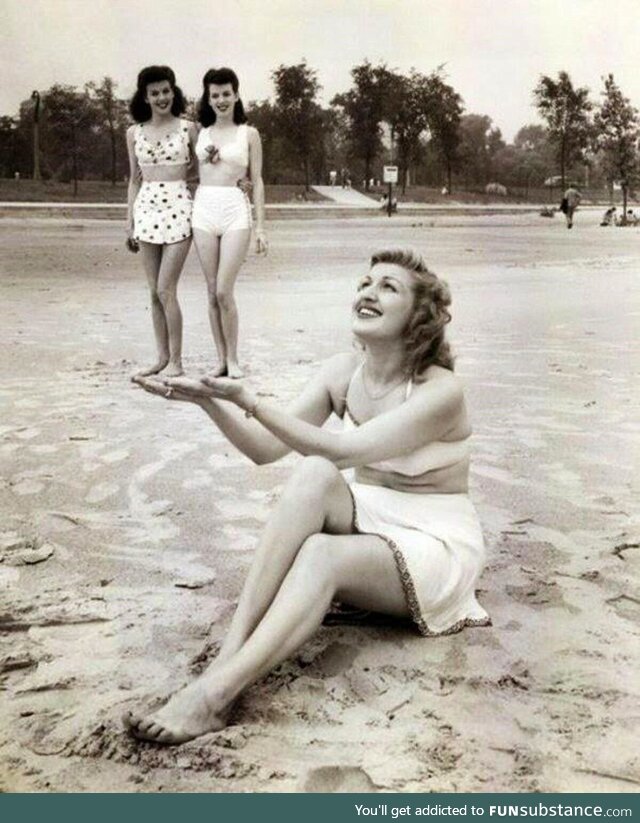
(439, 454)
(171, 150)
(234, 154)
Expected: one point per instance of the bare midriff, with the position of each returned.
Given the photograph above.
(164, 174)
(211, 174)
(452, 479)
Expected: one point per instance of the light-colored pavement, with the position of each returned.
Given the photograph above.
(346, 197)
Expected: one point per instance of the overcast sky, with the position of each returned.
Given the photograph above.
(494, 50)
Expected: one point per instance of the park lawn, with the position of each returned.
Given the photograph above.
(98, 191)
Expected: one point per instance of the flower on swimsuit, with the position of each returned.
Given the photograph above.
(213, 154)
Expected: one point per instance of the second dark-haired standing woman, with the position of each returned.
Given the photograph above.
(227, 150)
(161, 148)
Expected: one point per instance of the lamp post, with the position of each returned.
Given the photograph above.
(35, 96)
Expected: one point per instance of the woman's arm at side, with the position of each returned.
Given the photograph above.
(134, 178)
(431, 411)
(192, 168)
(255, 173)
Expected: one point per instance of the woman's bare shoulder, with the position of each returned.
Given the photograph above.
(337, 372)
(341, 366)
(440, 380)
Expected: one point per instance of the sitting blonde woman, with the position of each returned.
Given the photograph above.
(403, 538)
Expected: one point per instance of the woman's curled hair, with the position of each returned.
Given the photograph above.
(139, 108)
(425, 333)
(219, 77)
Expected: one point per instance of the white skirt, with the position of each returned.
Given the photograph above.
(439, 551)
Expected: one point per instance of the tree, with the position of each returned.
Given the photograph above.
(364, 107)
(617, 133)
(565, 110)
(408, 106)
(298, 114)
(70, 117)
(444, 124)
(112, 115)
(479, 143)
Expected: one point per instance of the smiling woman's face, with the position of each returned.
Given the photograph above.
(160, 95)
(222, 98)
(384, 302)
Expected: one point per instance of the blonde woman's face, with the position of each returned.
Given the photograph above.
(384, 301)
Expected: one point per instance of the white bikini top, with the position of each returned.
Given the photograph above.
(235, 153)
(171, 150)
(438, 454)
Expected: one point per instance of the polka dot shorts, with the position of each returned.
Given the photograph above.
(162, 212)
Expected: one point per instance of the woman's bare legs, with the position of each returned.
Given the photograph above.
(315, 499)
(163, 265)
(173, 257)
(233, 250)
(360, 569)
(151, 254)
(208, 249)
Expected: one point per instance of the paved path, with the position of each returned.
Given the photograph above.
(346, 197)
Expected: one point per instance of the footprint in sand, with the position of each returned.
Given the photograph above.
(198, 480)
(28, 434)
(338, 779)
(44, 449)
(116, 456)
(28, 487)
(335, 659)
(101, 491)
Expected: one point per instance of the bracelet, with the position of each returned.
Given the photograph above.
(251, 411)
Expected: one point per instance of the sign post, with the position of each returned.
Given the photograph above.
(390, 176)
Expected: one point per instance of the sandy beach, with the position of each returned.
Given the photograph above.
(128, 522)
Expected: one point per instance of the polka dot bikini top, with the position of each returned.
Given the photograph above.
(170, 150)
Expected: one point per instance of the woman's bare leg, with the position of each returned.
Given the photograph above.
(315, 499)
(208, 250)
(233, 250)
(359, 569)
(151, 254)
(173, 257)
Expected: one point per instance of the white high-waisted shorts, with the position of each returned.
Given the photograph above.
(219, 209)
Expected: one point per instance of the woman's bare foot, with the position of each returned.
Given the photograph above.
(191, 712)
(149, 370)
(234, 371)
(221, 371)
(173, 370)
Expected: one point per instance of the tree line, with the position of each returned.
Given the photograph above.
(415, 121)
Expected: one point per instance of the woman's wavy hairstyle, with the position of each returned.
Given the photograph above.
(139, 108)
(219, 77)
(425, 332)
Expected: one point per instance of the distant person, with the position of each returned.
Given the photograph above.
(570, 202)
(343, 178)
(609, 217)
(384, 203)
(632, 219)
(400, 537)
(228, 149)
(333, 176)
(444, 191)
(161, 149)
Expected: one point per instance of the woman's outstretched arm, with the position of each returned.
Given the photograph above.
(313, 406)
(431, 412)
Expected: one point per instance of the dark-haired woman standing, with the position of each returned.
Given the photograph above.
(161, 148)
(227, 150)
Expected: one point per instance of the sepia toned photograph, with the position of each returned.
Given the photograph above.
(320, 398)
